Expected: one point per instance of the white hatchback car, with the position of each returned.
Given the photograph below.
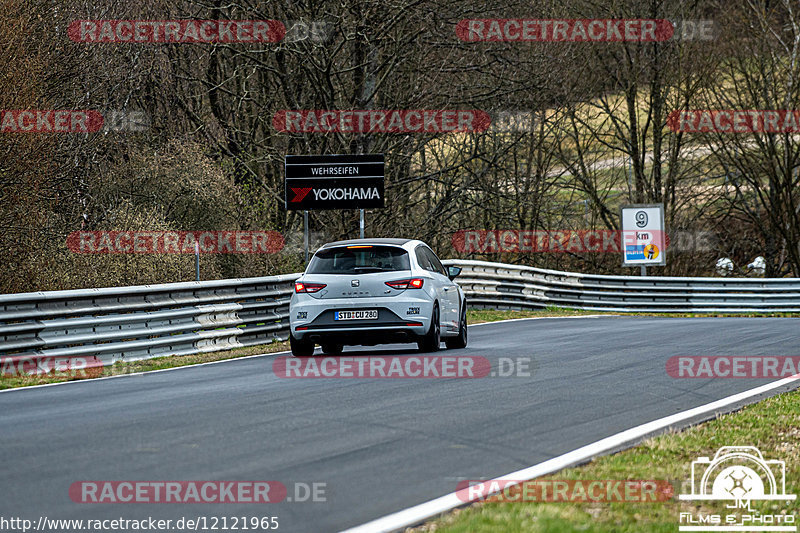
(376, 291)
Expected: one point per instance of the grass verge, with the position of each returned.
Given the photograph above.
(772, 425)
(479, 316)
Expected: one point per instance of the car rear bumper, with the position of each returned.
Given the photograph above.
(395, 323)
(365, 337)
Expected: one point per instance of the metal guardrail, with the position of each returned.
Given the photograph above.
(103, 326)
(134, 323)
(498, 285)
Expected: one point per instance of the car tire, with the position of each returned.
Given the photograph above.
(433, 338)
(461, 340)
(301, 348)
(331, 349)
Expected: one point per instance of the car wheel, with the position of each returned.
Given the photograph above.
(331, 349)
(301, 348)
(430, 342)
(461, 340)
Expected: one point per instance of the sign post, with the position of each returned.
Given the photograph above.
(197, 260)
(305, 233)
(643, 237)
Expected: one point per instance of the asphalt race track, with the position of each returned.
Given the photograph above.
(378, 445)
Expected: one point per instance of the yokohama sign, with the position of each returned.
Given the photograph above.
(334, 181)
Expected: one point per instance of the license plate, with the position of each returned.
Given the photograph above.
(368, 314)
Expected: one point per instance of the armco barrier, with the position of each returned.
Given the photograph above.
(133, 323)
(498, 285)
(103, 326)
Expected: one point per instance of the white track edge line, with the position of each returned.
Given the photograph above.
(540, 318)
(90, 380)
(423, 511)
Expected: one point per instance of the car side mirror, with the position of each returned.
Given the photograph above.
(453, 272)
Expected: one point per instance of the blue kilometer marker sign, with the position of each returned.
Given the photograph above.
(643, 238)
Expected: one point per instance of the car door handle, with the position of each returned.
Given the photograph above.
(449, 288)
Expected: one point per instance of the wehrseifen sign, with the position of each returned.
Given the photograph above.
(334, 181)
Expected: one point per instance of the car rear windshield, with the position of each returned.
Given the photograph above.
(359, 260)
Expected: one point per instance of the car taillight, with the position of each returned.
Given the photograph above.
(415, 283)
(308, 287)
